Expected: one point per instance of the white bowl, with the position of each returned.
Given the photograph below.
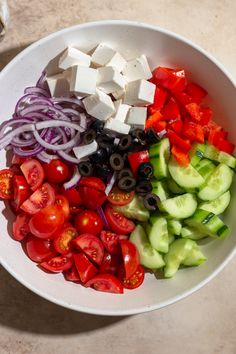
(161, 48)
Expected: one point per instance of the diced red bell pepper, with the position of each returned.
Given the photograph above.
(176, 126)
(209, 127)
(206, 115)
(226, 146)
(175, 140)
(170, 110)
(159, 100)
(174, 80)
(180, 156)
(152, 121)
(194, 111)
(193, 131)
(196, 92)
(159, 126)
(136, 158)
(215, 135)
(183, 98)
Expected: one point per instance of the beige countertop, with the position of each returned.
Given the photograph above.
(204, 323)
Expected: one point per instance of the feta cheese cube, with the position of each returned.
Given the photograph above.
(59, 84)
(99, 105)
(121, 112)
(117, 126)
(73, 56)
(137, 117)
(137, 69)
(110, 80)
(117, 62)
(118, 94)
(139, 93)
(85, 150)
(102, 55)
(83, 80)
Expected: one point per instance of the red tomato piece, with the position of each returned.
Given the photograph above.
(130, 257)
(46, 222)
(72, 196)
(136, 158)
(158, 102)
(180, 156)
(134, 281)
(118, 197)
(194, 111)
(74, 210)
(117, 222)
(196, 92)
(41, 198)
(63, 203)
(178, 142)
(106, 283)
(88, 221)
(6, 184)
(84, 267)
(56, 171)
(39, 250)
(93, 182)
(57, 264)
(21, 226)
(72, 274)
(91, 190)
(91, 245)
(21, 190)
(193, 132)
(176, 126)
(62, 242)
(110, 263)
(18, 160)
(33, 172)
(170, 110)
(226, 146)
(111, 242)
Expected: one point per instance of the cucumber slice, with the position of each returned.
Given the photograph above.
(185, 176)
(158, 234)
(191, 233)
(149, 257)
(212, 153)
(180, 207)
(208, 224)
(134, 210)
(173, 187)
(218, 205)
(159, 157)
(196, 153)
(182, 250)
(174, 226)
(159, 188)
(171, 238)
(205, 168)
(217, 183)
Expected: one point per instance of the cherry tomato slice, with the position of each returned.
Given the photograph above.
(91, 197)
(6, 184)
(72, 196)
(110, 263)
(88, 221)
(92, 182)
(21, 226)
(117, 222)
(130, 257)
(91, 245)
(72, 274)
(118, 197)
(18, 160)
(106, 283)
(62, 243)
(33, 172)
(21, 190)
(41, 198)
(46, 222)
(57, 264)
(84, 267)
(63, 203)
(134, 281)
(111, 242)
(39, 250)
(56, 171)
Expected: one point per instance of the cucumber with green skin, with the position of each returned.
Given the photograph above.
(180, 207)
(196, 153)
(173, 187)
(158, 234)
(159, 156)
(218, 205)
(134, 210)
(174, 226)
(191, 233)
(212, 153)
(205, 168)
(159, 188)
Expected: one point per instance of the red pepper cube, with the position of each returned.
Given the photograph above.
(175, 140)
(196, 92)
(180, 156)
(193, 132)
(176, 126)
(226, 146)
(171, 110)
(159, 100)
(136, 158)
(153, 119)
(194, 111)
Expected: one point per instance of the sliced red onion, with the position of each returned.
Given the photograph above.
(56, 124)
(111, 183)
(10, 135)
(9, 123)
(74, 179)
(83, 120)
(33, 108)
(42, 83)
(70, 144)
(85, 150)
(28, 153)
(103, 218)
(72, 112)
(45, 157)
(67, 157)
(37, 90)
(17, 142)
(68, 100)
(161, 133)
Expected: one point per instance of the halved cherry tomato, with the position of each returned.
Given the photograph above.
(6, 184)
(88, 221)
(62, 242)
(72, 196)
(91, 197)
(57, 264)
(41, 198)
(74, 210)
(118, 197)
(21, 226)
(46, 222)
(130, 257)
(72, 274)
(56, 171)
(107, 283)
(21, 190)
(84, 267)
(93, 182)
(91, 245)
(39, 250)
(117, 222)
(110, 241)
(134, 281)
(62, 202)
(18, 160)
(33, 172)
(110, 263)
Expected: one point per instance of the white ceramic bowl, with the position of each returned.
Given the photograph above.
(161, 48)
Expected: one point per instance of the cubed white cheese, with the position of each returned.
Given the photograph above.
(73, 56)
(116, 126)
(110, 80)
(118, 94)
(137, 117)
(102, 55)
(117, 62)
(139, 93)
(121, 112)
(85, 150)
(99, 105)
(59, 85)
(83, 80)
(137, 69)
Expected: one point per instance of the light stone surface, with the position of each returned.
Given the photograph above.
(205, 322)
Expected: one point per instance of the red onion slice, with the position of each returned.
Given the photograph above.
(67, 157)
(111, 183)
(74, 179)
(37, 90)
(103, 218)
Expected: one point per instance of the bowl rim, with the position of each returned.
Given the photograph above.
(193, 289)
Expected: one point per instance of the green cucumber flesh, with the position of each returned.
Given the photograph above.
(212, 153)
(218, 205)
(196, 153)
(191, 233)
(158, 235)
(180, 207)
(195, 257)
(159, 157)
(173, 187)
(159, 188)
(134, 210)
(174, 226)
(205, 168)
